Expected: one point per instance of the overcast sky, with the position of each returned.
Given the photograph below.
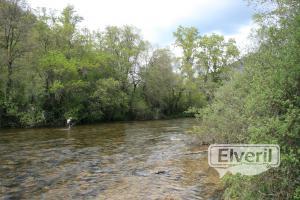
(158, 19)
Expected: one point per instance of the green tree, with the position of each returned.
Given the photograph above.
(187, 39)
(214, 54)
(66, 30)
(16, 22)
(260, 104)
(162, 87)
(110, 99)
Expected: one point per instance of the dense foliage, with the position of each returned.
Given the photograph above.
(261, 104)
(50, 70)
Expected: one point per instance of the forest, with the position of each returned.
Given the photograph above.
(51, 70)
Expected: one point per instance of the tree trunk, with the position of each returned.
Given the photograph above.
(9, 79)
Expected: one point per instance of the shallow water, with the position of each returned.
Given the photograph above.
(130, 160)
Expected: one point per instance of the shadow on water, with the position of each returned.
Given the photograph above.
(132, 160)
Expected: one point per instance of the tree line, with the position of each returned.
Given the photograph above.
(50, 70)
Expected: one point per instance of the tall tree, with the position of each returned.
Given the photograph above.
(187, 39)
(66, 29)
(215, 53)
(163, 88)
(16, 21)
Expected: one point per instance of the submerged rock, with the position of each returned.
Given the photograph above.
(138, 172)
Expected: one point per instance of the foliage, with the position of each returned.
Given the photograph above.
(111, 100)
(51, 70)
(260, 104)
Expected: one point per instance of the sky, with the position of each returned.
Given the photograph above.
(158, 19)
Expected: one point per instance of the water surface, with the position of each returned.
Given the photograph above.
(129, 160)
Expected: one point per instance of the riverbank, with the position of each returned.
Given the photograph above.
(180, 116)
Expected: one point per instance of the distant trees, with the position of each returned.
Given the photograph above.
(163, 89)
(187, 39)
(205, 55)
(215, 54)
(205, 62)
(52, 70)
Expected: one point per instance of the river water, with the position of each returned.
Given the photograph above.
(129, 160)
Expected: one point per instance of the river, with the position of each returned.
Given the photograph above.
(125, 160)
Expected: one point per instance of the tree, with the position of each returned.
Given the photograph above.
(214, 54)
(90, 76)
(110, 99)
(162, 87)
(65, 30)
(127, 49)
(187, 39)
(260, 105)
(16, 21)
(58, 72)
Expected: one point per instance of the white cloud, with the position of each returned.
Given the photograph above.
(243, 38)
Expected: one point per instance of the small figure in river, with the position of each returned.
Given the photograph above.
(69, 122)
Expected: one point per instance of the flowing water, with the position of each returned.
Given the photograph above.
(129, 160)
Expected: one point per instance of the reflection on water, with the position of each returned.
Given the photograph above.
(135, 160)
